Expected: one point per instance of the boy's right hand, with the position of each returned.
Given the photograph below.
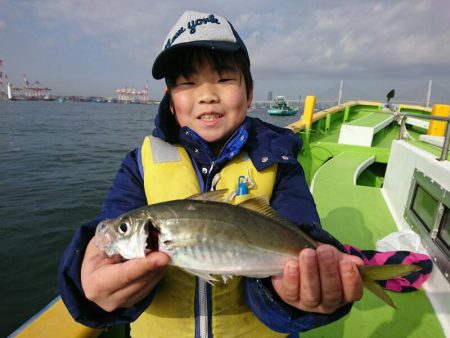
(112, 283)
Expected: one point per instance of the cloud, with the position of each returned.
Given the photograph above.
(130, 27)
(319, 37)
(296, 40)
(362, 37)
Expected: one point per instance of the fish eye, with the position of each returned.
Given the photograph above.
(123, 228)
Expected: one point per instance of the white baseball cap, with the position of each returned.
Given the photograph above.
(200, 30)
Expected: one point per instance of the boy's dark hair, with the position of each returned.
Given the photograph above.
(189, 60)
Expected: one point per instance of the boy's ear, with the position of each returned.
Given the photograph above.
(250, 97)
(166, 92)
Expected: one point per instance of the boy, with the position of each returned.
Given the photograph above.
(203, 140)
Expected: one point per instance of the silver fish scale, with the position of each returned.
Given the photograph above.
(201, 247)
(221, 239)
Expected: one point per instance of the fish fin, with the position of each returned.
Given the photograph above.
(388, 271)
(261, 205)
(225, 278)
(171, 245)
(214, 196)
(371, 273)
(203, 275)
(378, 291)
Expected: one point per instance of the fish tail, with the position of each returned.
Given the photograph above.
(372, 273)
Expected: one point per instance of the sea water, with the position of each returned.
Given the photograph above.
(57, 161)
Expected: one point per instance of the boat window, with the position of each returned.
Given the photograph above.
(427, 211)
(444, 233)
(424, 207)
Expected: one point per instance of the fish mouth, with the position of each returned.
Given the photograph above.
(153, 239)
(136, 245)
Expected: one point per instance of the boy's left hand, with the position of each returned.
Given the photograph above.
(321, 281)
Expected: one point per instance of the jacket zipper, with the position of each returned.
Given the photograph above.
(203, 308)
(202, 289)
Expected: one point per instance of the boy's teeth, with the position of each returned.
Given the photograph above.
(210, 117)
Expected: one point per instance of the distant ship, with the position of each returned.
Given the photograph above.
(9, 92)
(281, 108)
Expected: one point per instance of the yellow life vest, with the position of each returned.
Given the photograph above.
(169, 175)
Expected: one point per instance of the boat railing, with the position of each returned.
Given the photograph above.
(446, 144)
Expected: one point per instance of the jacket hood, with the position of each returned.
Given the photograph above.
(166, 126)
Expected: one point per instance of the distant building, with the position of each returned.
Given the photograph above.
(132, 95)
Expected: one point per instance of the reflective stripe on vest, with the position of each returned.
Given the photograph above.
(169, 175)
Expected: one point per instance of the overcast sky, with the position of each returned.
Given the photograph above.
(92, 47)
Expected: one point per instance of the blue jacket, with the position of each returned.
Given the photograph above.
(266, 144)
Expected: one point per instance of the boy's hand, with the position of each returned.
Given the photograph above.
(321, 281)
(112, 283)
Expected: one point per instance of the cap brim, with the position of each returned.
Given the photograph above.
(159, 69)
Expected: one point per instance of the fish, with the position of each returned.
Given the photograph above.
(208, 237)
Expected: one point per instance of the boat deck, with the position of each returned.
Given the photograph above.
(371, 120)
(325, 145)
(339, 199)
(361, 204)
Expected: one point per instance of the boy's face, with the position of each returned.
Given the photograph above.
(212, 105)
